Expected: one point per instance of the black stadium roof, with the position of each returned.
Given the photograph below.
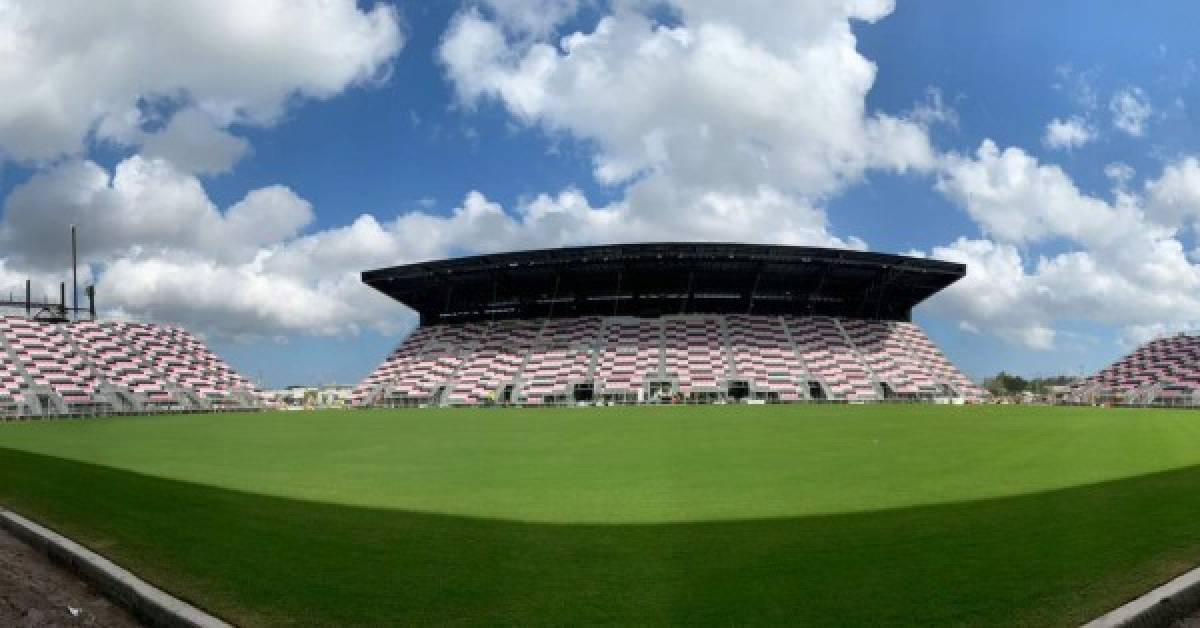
(657, 279)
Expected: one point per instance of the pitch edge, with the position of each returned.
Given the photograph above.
(147, 602)
(1172, 601)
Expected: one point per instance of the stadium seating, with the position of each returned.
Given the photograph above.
(925, 353)
(694, 353)
(1163, 370)
(691, 357)
(632, 354)
(830, 356)
(561, 358)
(764, 356)
(88, 367)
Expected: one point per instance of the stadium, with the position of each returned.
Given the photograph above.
(599, 313)
(665, 322)
(723, 433)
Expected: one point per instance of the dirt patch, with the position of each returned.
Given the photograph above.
(1191, 622)
(35, 592)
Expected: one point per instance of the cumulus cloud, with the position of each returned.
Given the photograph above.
(1015, 198)
(241, 300)
(167, 82)
(996, 295)
(773, 123)
(533, 17)
(1067, 134)
(1130, 109)
(193, 141)
(146, 204)
(165, 251)
(1174, 198)
(147, 222)
(73, 69)
(1124, 262)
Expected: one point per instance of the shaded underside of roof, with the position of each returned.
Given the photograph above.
(657, 279)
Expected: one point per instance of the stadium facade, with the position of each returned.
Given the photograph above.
(696, 322)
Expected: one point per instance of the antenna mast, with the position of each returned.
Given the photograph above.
(74, 277)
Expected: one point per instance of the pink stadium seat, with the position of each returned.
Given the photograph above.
(80, 366)
(540, 361)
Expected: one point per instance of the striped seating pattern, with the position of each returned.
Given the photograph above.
(543, 359)
(764, 355)
(829, 355)
(1171, 364)
(931, 357)
(43, 352)
(694, 353)
(117, 360)
(77, 362)
(561, 357)
(632, 352)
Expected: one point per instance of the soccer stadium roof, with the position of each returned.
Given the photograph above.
(657, 279)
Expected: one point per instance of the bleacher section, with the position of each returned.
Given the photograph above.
(85, 367)
(763, 356)
(560, 359)
(696, 357)
(1163, 370)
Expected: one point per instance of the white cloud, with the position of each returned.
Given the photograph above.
(163, 250)
(1135, 335)
(240, 299)
(1124, 262)
(1130, 109)
(194, 142)
(1119, 173)
(995, 296)
(773, 123)
(171, 78)
(73, 68)
(146, 204)
(1174, 198)
(1015, 198)
(1068, 134)
(533, 17)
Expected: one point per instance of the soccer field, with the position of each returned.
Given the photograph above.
(716, 514)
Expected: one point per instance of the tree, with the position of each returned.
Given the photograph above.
(1005, 384)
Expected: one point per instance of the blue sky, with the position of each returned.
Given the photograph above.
(1047, 145)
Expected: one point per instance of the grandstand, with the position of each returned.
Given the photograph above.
(665, 322)
(1163, 371)
(88, 368)
(57, 360)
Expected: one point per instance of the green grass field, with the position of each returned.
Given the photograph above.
(715, 515)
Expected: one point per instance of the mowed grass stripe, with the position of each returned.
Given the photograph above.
(1051, 556)
(647, 465)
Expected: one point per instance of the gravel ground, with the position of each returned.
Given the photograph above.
(35, 592)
